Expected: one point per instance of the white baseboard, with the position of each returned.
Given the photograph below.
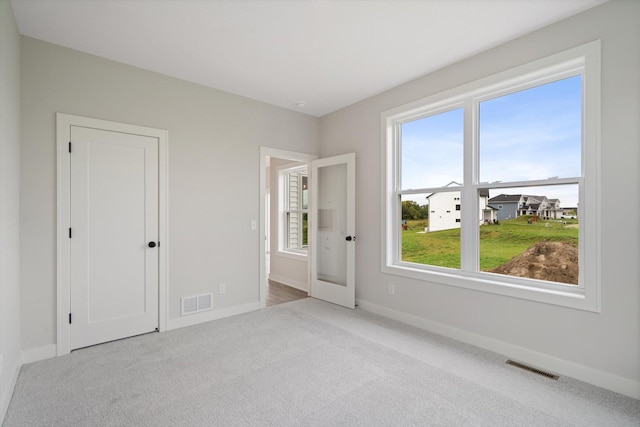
(544, 361)
(49, 351)
(303, 286)
(206, 316)
(39, 353)
(8, 393)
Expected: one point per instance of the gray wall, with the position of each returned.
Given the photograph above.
(509, 210)
(214, 140)
(9, 203)
(602, 347)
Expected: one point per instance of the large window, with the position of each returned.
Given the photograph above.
(293, 195)
(491, 169)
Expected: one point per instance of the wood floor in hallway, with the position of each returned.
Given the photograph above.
(279, 293)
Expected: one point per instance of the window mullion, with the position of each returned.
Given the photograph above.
(396, 198)
(469, 213)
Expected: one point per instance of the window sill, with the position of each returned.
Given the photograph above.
(299, 256)
(533, 290)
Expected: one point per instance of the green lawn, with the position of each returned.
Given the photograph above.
(498, 243)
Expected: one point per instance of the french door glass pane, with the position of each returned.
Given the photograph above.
(331, 246)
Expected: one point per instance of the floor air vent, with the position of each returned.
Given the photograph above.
(196, 303)
(530, 369)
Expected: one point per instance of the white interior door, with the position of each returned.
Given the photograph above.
(113, 235)
(333, 229)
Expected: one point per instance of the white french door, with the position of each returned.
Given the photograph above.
(113, 235)
(332, 222)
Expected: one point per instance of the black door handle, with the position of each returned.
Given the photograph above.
(152, 244)
(349, 238)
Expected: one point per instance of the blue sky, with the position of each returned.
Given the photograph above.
(531, 134)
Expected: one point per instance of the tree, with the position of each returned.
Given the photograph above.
(412, 210)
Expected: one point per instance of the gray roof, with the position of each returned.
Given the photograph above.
(448, 185)
(534, 199)
(505, 198)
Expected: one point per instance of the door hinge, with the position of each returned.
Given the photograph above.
(69, 318)
(69, 232)
(69, 146)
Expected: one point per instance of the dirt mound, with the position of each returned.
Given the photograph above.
(554, 261)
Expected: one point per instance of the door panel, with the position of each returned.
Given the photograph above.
(333, 230)
(114, 214)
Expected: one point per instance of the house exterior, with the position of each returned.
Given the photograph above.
(444, 209)
(510, 206)
(507, 206)
(488, 214)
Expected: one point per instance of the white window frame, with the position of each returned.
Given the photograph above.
(283, 172)
(584, 60)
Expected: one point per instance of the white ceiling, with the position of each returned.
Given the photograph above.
(329, 54)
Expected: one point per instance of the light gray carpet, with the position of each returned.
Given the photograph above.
(305, 363)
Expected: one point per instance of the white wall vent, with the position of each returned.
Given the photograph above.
(196, 303)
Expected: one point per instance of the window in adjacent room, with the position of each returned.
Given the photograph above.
(294, 199)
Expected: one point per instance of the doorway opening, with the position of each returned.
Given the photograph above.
(284, 262)
(322, 264)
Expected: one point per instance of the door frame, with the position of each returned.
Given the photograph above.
(280, 154)
(63, 186)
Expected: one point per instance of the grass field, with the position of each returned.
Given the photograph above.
(498, 243)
